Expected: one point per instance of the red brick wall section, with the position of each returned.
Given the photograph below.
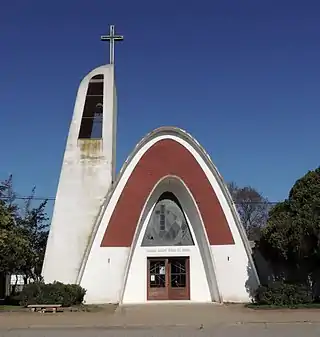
(166, 157)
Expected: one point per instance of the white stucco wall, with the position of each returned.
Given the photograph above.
(232, 266)
(135, 290)
(226, 266)
(104, 275)
(86, 175)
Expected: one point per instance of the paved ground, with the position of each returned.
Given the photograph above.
(165, 320)
(252, 330)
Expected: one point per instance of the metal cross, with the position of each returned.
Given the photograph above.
(112, 38)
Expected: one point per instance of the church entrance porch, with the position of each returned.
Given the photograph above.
(168, 278)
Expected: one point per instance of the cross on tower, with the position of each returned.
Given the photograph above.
(112, 38)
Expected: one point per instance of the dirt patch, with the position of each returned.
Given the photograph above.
(106, 308)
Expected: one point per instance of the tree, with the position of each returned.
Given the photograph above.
(291, 239)
(14, 251)
(13, 246)
(23, 234)
(33, 223)
(252, 207)
(275, 240)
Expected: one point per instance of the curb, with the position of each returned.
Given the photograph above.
(103, 327)
(151, 327)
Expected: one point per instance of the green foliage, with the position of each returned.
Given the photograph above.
(304, 306)
(291, 239)
(12, 300)
(23, 233)
(13, 246)
(283, 294)
(53, 293)
(14, 250)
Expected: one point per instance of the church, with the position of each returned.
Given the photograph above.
(163, 229)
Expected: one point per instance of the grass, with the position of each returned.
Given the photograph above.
(279, 307)
(10, 308)
(108, 308)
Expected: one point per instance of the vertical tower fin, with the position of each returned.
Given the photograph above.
(87, 172)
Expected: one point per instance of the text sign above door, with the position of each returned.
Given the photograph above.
(168, 250)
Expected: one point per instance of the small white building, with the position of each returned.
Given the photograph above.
(164, 229)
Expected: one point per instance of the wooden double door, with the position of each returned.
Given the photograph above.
(168, 278)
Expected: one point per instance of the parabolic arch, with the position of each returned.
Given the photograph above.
(167, 151)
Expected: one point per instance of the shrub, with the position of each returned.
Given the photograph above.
(12, 300)
(283, 294)
(52, 293)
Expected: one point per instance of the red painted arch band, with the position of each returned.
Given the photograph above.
(166, 157)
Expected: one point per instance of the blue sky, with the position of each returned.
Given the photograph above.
(243, 77)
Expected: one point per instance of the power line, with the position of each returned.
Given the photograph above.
(53, 199)
(27, 198)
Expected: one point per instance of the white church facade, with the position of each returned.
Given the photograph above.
(164, 229)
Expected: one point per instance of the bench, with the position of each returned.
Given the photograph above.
(44, 307)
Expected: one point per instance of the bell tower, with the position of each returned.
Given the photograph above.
(87, 173)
